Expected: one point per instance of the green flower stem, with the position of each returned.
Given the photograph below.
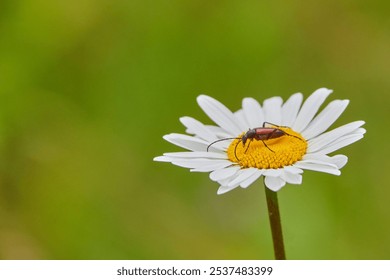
(276, 226)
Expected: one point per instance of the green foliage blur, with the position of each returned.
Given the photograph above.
(88, 89)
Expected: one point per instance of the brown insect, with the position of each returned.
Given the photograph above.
(258, 133)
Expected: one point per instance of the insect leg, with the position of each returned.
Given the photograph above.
(248, 146)
(267, 146)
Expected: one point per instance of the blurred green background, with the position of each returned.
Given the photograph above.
(88, 89)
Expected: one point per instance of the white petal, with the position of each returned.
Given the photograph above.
(225, 173)
(187, 142)
(162, 159)
(338, 160)
(225, 189)
(203, 165)
(251, 179)
(310, 108)
(340, 143)
(290, 109)
(274, 183)
(241, 120)
(293, 170)
(360, 131)
(198, 128)
(326, 138)
(273, 110)
(318, 167)
(242, 175)
(218, 112)
(292, 178)
(318, 161)
(210, 167)
(325, 119)
(219, 132)
(253, 112)
(184, 155)
(225, 182)
(272, 172)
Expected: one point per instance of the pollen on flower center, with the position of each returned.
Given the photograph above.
(273, 153)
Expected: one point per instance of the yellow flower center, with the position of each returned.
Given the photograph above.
(273, 153)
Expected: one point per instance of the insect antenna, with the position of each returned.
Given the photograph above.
(294, 136)
(275, 125)
(235, 148)
(278, 126)
(219, 140)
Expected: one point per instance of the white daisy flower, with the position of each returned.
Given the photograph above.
(283, 139)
